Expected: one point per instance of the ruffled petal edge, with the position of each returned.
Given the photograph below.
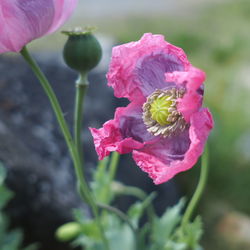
(121, 76)
(201, 124)
(109, 138)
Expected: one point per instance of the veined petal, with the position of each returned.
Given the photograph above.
(138, 68)
(22, 21)
(164, 160)
(63, 9)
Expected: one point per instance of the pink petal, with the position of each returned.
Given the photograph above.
(159, 167)
(192, 80)
(127, 66)
(22, 21)
(63, 10)
(121, 134)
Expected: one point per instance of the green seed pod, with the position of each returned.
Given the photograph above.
(82, 51)
(68, 231)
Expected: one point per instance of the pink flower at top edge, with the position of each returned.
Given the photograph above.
(147, 72)
(22, 21)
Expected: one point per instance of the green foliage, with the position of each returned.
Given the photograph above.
(118, 233)
(9, 239)
(186, 238)
(164, 226)
(103, 178)
(5, 194)
(126, 233)
(136, 211)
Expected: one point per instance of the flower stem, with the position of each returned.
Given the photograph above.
(81, 182)
(81, 86)
(54, 102)
(113, 165)
(199, 189)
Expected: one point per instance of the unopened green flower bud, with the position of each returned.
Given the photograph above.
(68, 231)
(82, 51)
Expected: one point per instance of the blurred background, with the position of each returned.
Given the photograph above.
(215, 36)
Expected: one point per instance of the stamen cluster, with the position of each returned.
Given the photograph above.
(160, 113)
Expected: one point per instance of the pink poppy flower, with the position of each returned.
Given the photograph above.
(22, 21)
(165, 126)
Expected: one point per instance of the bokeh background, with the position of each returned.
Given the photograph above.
(215, 36)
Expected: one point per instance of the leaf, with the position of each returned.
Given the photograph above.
(88, 225)
(2, 174)
(80, 215)
(12, 240)
(119, 234)
(87, 243)
(143, 235)
(192, 233)
(186, 238)
(164, 226)
(89, 236)
(101, 184)
(9, 240)
(171, 245)
(136, 210)
(5, 196)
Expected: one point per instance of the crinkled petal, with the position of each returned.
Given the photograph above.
(164, 160)
(192, 80)
(138, 68)
(123, 134)
(22, 21)
(108, 139)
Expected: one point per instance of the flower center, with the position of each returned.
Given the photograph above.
(160, 109)
(160, 113)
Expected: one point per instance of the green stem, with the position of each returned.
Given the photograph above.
(55, 105)
(134, 191)
(81, 182)
(81, 86)
(113, 165)
(199, 189)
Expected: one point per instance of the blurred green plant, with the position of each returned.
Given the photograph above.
(9, 239)
(125, 231)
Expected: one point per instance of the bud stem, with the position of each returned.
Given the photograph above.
(81, 87)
